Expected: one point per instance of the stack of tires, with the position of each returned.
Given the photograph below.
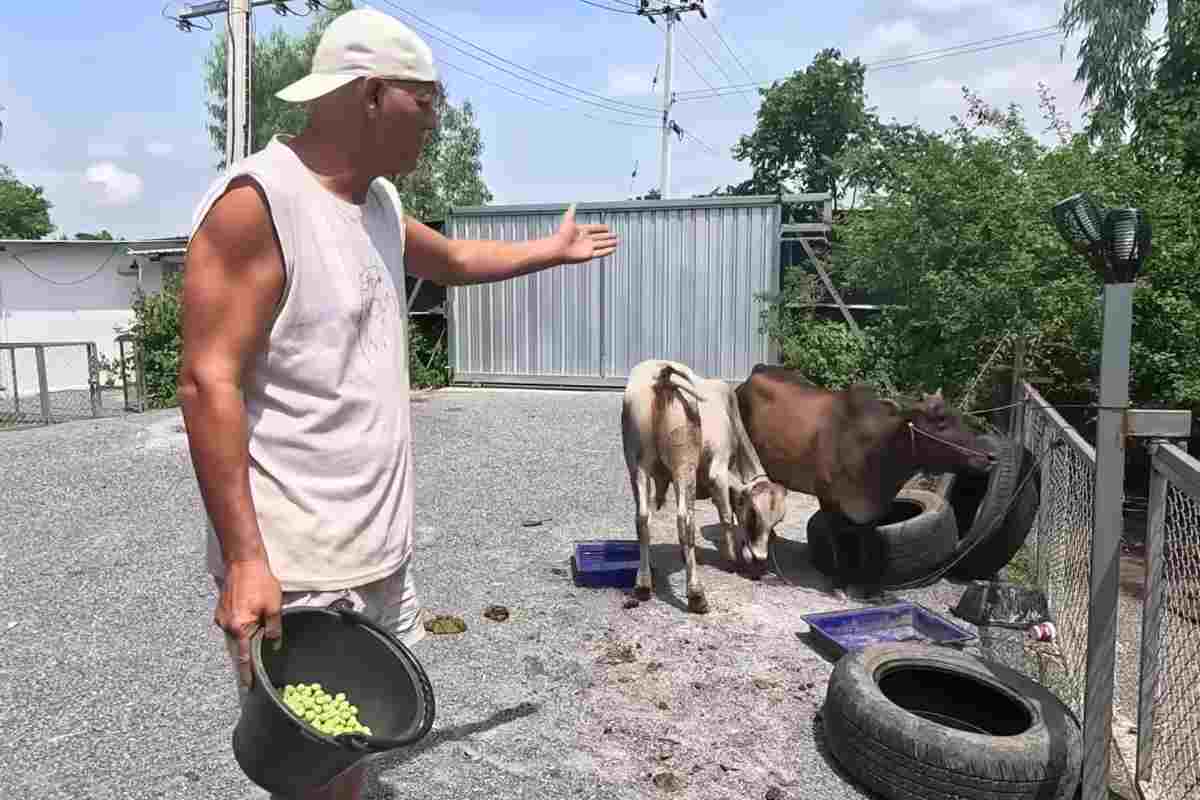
(980, 522)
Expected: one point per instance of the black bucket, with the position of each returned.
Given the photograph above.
(344, 651)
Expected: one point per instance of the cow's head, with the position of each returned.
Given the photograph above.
(939, 438)
(759, 506)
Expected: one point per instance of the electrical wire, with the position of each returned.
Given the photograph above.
(39, 276)
(700, 142)
(1048, 29)
(550, 105)
(915, 61)
(608, 8)
(293, 12)
(610, 101)
(717, 31)
(892, 63)
(707, 52)
(186, 25)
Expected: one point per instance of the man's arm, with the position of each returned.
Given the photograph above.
(232, 282)
(457, 262)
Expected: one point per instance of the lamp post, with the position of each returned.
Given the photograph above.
(1116, 243)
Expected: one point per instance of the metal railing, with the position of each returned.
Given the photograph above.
(46, 382)
(1061, 539)
(1168, 730)
(1166, 671)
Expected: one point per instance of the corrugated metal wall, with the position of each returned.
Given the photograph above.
(682, 285)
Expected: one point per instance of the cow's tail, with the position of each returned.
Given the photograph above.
(678, 379)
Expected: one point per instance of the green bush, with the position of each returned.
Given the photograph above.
(826, 352)
(962, 238)
(157, 326)
(428, 358)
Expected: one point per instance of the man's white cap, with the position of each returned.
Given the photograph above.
(363, 43)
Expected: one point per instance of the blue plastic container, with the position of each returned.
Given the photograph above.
(607, 562)
(854, 629)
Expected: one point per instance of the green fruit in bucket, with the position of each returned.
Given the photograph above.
(331, 715)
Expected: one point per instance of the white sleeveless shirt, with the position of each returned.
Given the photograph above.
(327, 400)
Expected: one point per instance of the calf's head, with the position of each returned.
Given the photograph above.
(759, 507)
(942, 441)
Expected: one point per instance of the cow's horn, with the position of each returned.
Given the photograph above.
(887, 401)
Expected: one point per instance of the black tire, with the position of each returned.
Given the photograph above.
(918, 534)
(994, 525)
(1030, 747)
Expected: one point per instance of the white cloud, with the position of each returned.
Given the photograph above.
(637, 81)
(946, 6)
(160, 148)
(897, 38)
(118, 187)
(103, 148)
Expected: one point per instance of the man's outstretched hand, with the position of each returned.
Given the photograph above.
(584, 242)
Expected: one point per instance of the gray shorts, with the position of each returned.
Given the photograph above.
(391, 602)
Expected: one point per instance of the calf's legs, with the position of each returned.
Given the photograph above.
(640, 479)
(721, 499)
(685, 523)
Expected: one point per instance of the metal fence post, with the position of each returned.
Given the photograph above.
(93, 378)
(1106, 538)
(43, 382)
(1148, 676)
(16, 391)
(1016, 414)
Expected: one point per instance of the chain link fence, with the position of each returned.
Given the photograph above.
(1167, 670)
(46, 382)
(1168, 761)
(1061, 540)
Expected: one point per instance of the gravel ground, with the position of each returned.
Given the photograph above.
(116, 685)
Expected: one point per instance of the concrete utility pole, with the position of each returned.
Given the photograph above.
(672, 13)
(239, 60)
(239, 135)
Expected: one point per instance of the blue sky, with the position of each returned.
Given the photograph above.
(104, 102)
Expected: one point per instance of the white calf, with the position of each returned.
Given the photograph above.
(681, 430)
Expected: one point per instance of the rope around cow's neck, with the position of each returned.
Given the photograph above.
(914, 430)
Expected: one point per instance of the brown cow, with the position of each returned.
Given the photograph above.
(850, 449)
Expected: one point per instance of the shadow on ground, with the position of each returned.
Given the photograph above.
(790, 565)
(377, 789)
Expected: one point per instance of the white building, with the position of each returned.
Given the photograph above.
(72, 291)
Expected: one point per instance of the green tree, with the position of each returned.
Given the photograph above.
(1117, 55)
(24, 209)
(450, 169)
(803, 125)
(962, 237)
(1167, 133)
(103, 236)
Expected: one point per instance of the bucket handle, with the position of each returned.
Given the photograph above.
(362, 743)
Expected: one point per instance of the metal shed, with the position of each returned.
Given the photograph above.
(683, 285)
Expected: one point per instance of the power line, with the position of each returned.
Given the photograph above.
(873, 68)
(700, 142)
(608, 8)
(550, 105)
(576, 89)
(707, 52)
(1048, 29)
(717, 31)
(892, 63)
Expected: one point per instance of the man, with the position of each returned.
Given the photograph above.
(294, 379)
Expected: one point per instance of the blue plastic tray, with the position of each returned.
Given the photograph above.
(607, 562)
(854, 629)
